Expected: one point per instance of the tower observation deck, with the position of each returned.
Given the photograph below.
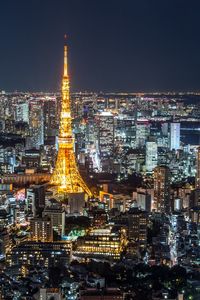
(66, 175)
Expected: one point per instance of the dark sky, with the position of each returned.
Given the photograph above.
(115, 45)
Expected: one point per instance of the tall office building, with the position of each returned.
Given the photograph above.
(36, 199)
(143, 197)
(41, 230)
(50, 117)
(106, 133)
(175, 136)
(106, 139)
(197, 183)
(151, 156)
(7, 158)
(137, 229)
(142, 132)
(57, 216)
(162, 189)
(36, 125)
(164, 129)
(22, 112)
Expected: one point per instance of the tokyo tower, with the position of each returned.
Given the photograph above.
(66, 175)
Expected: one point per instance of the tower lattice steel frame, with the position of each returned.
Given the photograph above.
(66, 174)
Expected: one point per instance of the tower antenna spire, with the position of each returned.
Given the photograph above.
(65, 74)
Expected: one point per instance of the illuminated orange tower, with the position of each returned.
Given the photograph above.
(66, 174)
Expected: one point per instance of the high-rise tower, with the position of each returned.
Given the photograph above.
(174, 136)
(66, 174)
(162, 189)
(197, 184)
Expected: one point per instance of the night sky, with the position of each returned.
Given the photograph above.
(127, 45)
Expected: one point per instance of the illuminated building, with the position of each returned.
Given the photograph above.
(98, 216)
(183, 193)
(164, 129)
(22, 112)
(163, 141)
(195, 215)
(175, 136)
(121, 202)
(106, 139)
(4, 242)
(162, 189)
(151, 156)
(57, 216)
(70, 289)
(27, 178)
(41, 230)
(7, 159)
(197, 183)
(135, 160)
(36, 199)
(50, 117)
(178, 204)
(36, 126)
(66, 175)
(143, 198)
(117, 201)
(125, 130)
(142, 132)
(137, 230)
(91, 133)
(32, 158)
(101, 244)
(106, 198)
(20, 215)
(49, 254)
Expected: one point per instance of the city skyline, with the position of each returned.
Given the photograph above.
(99, 191)
(115, 46)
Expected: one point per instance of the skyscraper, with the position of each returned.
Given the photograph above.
(22, 112)
(57, 216)
(106, 139)
(137, 229)
(36, 199)
(162, 189)
(41, 230)
(174, 136)
(151, 156)
(36, 125)
(142, 132)
(197, 183)
(66, 175)
(50, 117)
